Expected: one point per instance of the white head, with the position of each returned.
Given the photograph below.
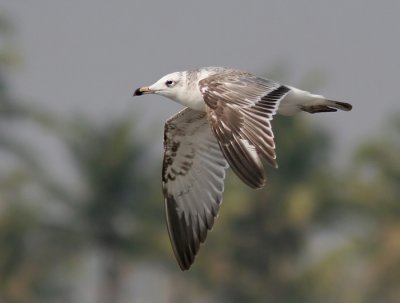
(171, 86)
(181, 87)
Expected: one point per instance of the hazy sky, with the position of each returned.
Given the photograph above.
(90, 55)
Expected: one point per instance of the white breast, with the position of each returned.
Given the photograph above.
(190, 97)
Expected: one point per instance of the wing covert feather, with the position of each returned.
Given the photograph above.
(240, 107)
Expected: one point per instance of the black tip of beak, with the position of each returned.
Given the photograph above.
(138, 92)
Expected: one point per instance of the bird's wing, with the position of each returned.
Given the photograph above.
(240, 107)
(193, 182)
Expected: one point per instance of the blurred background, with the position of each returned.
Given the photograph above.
(81, 210)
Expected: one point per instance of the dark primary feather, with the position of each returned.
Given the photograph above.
(193, 182)
(240, 107)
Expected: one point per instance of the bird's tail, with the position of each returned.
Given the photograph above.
(326, 106)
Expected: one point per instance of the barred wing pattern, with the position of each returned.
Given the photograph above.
(240, 107)
(193, 182)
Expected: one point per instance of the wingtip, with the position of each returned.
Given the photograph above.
(256, 184)
(183, 266)
(184, 250)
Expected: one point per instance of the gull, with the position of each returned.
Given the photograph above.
(226, 122)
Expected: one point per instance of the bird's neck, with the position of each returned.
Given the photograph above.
(191, 98)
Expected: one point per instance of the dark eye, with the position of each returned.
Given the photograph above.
(169, 83)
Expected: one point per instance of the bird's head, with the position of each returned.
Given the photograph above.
(181, 87)
(170, 86)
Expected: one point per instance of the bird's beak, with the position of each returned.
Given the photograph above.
(143, 91)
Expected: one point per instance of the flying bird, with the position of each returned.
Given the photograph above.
(226, 122)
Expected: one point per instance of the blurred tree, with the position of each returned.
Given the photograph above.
(256, 250)
(37, 243)
(263, 249)
(20, 268)
(115, 213)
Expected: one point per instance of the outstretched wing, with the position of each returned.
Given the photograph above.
(240, 107)
(193, 182)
